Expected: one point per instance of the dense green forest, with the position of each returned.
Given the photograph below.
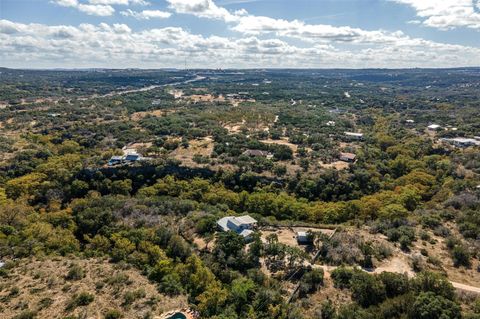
(408, 197)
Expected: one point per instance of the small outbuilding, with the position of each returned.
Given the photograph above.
(304, 238)
(348, 157)
(115, 160)
(133, 157)
(258, 153)
(354, 136)
(434, 127)
(331, 123)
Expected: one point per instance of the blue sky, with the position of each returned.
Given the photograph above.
(239, 33)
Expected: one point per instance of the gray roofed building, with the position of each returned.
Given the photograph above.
(133, 157)
(247, 220)
(347, 157)
(434, 127)
(461, 141)
(257, 153)
(222, 223)
(126, 159)
(242, 225)
(352, 135)
(304, 238)
(246, 233)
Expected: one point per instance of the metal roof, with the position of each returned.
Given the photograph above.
(354, 134)
(247, 219)
(222, 223)
(246, 232)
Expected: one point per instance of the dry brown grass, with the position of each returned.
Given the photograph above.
(338, 297)
(282, 141)
(234, 127)
(137, 116)
(339, 165)
(202, 147)
(437, 250)
(288, 235)
(41, 286)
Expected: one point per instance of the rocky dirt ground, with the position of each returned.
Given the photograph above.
(50, 289)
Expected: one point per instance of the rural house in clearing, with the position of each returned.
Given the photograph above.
(348, 157)
(242, 225)
(126, 159)
(354, 136)
(461, 141)
(434, 127)
(258, 153)
(304, 238)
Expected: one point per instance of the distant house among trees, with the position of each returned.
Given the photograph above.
(304, 238)
(434, 127)
(354, 136)
(258, 153)
(461, 141)
(126, 159)
(242, 225)
(348, 157)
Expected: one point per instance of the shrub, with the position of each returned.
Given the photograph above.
(459, 252)
(328, 310)
(405, 235)
(434, 261)
(200, 159)
(341, 277)
(367, 290)
(113, 314)
(461, 256)
(311, 282)
(75, 273)
(131, 296)
(428, 305)
(424, 236)
(45, 303)
(26, 314)
(383, 251)
(442, 231)
(433, 282)
(417, 263)
(118, 279)
(82, 299)
(431, 221)
(395, 284)
(171, 285)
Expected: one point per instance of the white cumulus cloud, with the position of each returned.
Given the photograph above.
(249, 24)
(446, 14)
(203, 9)
(146, 14)
(90, 9)
(117, 45)
(120, 2)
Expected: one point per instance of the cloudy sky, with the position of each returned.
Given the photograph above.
(239, 33)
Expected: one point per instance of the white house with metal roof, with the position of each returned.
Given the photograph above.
(461, 141)
(354, 136)
(434, 127)
(242, 225)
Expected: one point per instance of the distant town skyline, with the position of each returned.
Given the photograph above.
(239, 33)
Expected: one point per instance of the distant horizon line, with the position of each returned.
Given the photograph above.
(227, 69)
